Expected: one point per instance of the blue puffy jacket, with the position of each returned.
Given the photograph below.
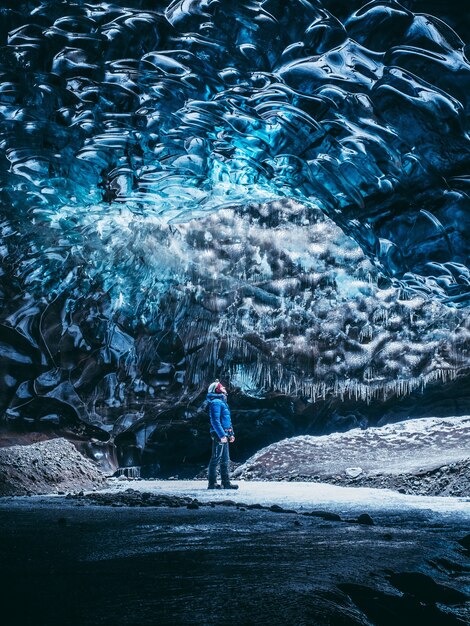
(221, 422)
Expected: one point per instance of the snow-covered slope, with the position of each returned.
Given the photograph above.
(415, 447)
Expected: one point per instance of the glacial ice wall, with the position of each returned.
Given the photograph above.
(273, 191)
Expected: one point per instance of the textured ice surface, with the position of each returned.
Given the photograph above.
(414, 445)
(128, 131)
(290, 308)
(342, 500)
(171, 110)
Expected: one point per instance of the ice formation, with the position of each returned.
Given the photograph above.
(414, 446)
(275, 191)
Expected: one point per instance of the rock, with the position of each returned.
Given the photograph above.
(326, 515)
(353, 472)
(192, 505)
(465, 542)
(425, 589)
(396, 609)
(275, 508)
(365, 519)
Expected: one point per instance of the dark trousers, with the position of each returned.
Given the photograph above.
(220, 455)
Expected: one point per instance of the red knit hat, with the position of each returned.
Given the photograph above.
(216, 387)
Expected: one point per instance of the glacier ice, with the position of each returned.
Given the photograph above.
(176, 109)
(275, 191)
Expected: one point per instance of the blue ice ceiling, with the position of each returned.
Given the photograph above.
(169, 111)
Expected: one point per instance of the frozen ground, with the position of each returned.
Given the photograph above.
(174, 553)
(308, 496)
(71, 561)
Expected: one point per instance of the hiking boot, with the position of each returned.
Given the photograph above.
(214, 486)
(229, 486)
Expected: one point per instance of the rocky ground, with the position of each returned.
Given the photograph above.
(135, 498)
(51, 466)
(429, 456)
(146, 558)
(452, 479)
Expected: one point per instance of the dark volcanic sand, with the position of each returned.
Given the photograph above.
(65, 562)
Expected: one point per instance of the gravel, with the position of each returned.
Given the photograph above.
(46, 467)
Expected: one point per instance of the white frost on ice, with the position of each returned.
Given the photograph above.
(411, 445)
(310, 496)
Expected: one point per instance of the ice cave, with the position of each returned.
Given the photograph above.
(270, 193)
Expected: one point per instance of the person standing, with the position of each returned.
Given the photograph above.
(222, 434)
